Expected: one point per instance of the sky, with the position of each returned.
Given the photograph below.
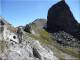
(22, 12)
(0, 7)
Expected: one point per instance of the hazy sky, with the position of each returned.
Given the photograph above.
(21, 12)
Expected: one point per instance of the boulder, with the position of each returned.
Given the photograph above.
(27, 28)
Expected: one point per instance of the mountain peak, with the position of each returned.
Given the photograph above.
(60, 18)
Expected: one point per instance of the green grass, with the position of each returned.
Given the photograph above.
(45, 39)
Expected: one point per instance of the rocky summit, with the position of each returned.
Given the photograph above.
(60, 18)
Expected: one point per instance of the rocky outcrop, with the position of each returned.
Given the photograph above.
(60, 18)
(27, 49)
(30, 50)
(7, 32)
(27, 28)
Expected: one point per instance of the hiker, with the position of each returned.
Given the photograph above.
(19, 33)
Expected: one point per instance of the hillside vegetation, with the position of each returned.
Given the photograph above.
(48, 39)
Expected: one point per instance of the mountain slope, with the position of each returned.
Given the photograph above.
(31, 47)
(62, 51)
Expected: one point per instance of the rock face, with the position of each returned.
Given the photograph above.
(28, 49)
(27, 28)
(28, 52)
(60, 18)
(7, 32)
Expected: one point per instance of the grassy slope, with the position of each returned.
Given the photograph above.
(45, 38)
